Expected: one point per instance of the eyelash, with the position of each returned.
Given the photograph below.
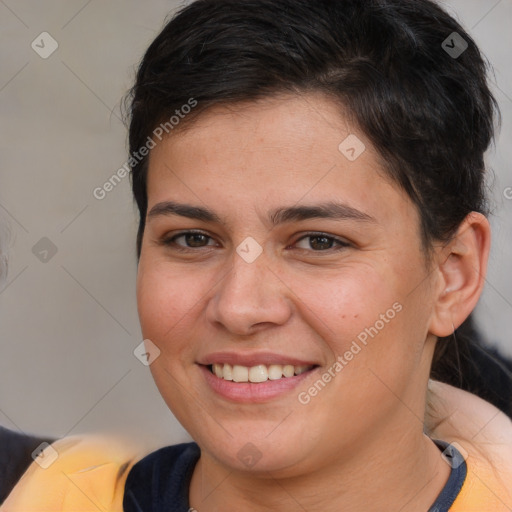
(171, 241)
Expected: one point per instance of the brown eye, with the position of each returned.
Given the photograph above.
(196, 239)
(320, 242)
(189, 240)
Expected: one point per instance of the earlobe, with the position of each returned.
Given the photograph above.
(462, 265)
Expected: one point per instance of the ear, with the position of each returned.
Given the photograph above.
(462, 266)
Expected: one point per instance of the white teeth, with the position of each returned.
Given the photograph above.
(217, 369)
(258, 373)
(275, 371)
(240, 373)
(227, 372)
(301, 369)
(288, 370)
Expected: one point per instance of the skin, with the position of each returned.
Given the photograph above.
(362, 434)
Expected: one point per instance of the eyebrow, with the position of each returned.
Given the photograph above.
(330, 210)
(183, 210)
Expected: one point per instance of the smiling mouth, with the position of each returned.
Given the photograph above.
(258, 373)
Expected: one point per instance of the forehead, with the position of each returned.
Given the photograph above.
(284, 149)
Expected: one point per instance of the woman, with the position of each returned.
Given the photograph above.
(310, 178)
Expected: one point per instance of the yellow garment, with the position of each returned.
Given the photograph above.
(90, 473)
(484, 490)
(88, 476)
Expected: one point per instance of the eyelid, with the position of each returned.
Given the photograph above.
(169, 240)
(342, 243)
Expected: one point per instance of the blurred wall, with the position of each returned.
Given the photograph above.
(68, 316)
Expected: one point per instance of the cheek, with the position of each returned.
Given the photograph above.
(345, 302)
(165, 302)
(364, 316)
(166, 299)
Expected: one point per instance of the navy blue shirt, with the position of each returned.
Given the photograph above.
(160, 481)
(15, 457)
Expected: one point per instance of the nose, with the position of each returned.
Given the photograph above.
(249, 298)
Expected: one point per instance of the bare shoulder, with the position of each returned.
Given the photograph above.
(479, 427)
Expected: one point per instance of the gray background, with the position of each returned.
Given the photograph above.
(69, 325)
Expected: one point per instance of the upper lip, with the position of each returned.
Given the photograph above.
(252, 359)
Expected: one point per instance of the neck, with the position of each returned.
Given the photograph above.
(391, 472)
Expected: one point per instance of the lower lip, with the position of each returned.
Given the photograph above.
(250, 392)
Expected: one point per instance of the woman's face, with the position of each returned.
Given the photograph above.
(303, 258)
